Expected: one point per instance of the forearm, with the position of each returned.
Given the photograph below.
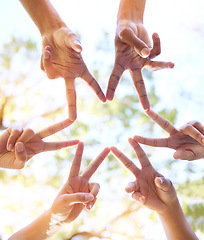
(176, 225)
(43, 15)
(131, 10)
(42, 228)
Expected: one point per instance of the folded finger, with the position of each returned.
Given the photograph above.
(54, 128)
(95, 164)
(51, 146)
(193, 131)
(15, 133)
(156, 50)
(26, 135)
(132, 187)
(21, 155)
(137, 196)
(90, 80)
(140, 88)
(94, 190)
(47, 66)
(114, 80)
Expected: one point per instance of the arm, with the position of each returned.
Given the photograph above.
(157, 193)
(43, 15)
(61, 55)
(76, 194)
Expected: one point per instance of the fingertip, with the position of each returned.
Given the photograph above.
(171, 65)
(145, 52)
(155, 35)
(19, 147)
(159, 181)
(77, 46)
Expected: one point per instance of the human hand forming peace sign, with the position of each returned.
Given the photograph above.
(19, 145)
(77, 191)
(128, 58)
(187, 141)
(62, 58)
(144, 189)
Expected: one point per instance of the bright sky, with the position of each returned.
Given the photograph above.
(180, 25)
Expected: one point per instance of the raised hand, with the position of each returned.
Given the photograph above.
(127, 46)
(150, 188)
(19, 145)
(77, 191)
(156, 192)
(62, 58)
(187, 141)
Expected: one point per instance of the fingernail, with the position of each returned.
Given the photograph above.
(161, 180)
(145, 52)
(88, 197)
(46, 56)
(19, 148)
(130, 185)
(90, 205)
(10, 147)
(203, 140)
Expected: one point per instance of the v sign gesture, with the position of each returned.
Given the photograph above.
(187, 141)
(157, 193)
(128, 58)
(76, 193)
(19, 145)
(62, 58)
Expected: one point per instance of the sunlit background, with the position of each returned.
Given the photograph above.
(27, 97)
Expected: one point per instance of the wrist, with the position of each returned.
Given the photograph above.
(131, 10)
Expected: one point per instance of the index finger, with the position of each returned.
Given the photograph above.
(162, 122)
(140, 153)
(140, 88)
(75, 168)
(90, 80)
(54, 128)
(125, 160)
(71, 98)
(95, 164)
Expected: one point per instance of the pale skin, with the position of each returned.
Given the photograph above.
(18, 145)
(61, 56)
(188, 140)
(133, 49)
(157, 193)
(76, 194)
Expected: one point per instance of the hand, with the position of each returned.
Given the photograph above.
(128, 56)
(150, 188)
(19, 145)
(187, 141)
(62, 58)
(77, 191)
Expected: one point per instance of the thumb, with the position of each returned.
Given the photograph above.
(72, 41)
(128, 36)
(163, 184)
(79, 198)
(184, 154)
(165, 189)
